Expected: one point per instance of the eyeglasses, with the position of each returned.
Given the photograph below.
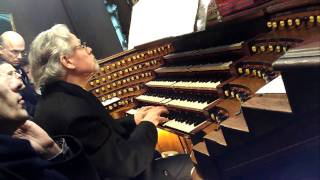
(83, 45)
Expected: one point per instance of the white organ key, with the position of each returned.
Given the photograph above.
(179, 126)
(150, 98)
(194, 68)
(184, 84)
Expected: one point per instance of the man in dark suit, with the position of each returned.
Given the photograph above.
(61, 65)
(26, 150)
(12, 48)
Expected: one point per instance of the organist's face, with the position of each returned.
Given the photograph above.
(12, 105)
(82, 60)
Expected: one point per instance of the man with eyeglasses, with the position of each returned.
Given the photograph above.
(26, 150)
(12, 51)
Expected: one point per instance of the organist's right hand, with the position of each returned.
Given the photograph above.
(151, 114)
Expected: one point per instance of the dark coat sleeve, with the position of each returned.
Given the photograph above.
(111, 153)
(18, 160)
(80, 114)
(128, 124)
(73, 162)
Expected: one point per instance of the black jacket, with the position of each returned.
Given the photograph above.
(66, 108)
(19, 161)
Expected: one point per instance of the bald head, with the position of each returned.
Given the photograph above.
(12, 47)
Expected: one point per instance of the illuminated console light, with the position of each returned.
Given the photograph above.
(103, 79)
(103, 89)
(238, 96)
(311, 19)
(274, 25)
(240, 71)
(289, 21)
(97, 81)
(232, 94)
(254, 49)
(297, 21)
(318, 19)
(97, 91)
(270, 47)
(278, 48)
(92, 83)
(247, 71)
(262, 48)
(282, 23)
(259, 74)
(269, 24)
(226, 93)
(254, 72)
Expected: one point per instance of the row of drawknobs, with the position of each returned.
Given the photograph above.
(296, 22)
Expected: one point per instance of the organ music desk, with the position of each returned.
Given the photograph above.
(208, 81)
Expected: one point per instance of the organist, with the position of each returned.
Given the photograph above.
(61, 65)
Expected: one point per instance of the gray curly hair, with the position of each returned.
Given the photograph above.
(45, 52)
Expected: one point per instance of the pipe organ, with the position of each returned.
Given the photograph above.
(208, 81)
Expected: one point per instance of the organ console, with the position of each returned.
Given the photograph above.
(208, 80)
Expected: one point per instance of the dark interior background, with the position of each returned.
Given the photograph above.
(87, 19)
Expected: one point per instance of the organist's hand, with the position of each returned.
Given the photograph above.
(139, 115)
(153, 115)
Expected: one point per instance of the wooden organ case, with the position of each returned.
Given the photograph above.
(208, 81)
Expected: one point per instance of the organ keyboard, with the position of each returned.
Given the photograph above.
(208, 81)
(192, 84)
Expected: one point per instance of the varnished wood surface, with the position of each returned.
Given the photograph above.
(270, 102)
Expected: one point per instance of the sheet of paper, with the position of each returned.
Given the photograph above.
(157, 19)
(275, 86)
